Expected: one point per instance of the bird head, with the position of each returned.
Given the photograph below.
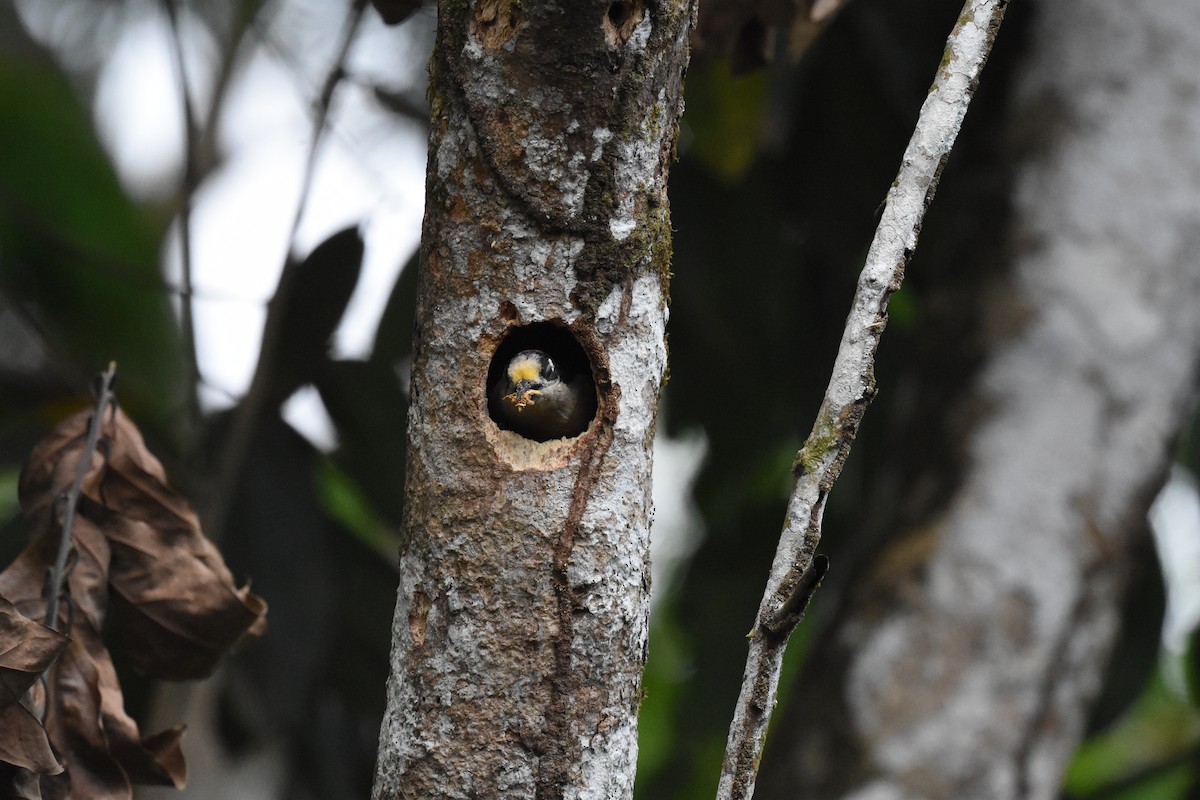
(529, 374)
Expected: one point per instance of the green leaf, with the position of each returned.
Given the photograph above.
(1139, 754)
(76, 253)
(345, 502)
(8, 493)
(370, 411)
(724, 117)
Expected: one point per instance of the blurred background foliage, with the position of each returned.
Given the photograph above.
(781, 175)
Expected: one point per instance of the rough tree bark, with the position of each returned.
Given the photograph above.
(521, 620)
(967, 660)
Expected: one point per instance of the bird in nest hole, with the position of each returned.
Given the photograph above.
(534, 399)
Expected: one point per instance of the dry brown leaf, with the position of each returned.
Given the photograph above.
(53, 462)
(20, 784)
(137, 545)
(27, 649)
(24, 581)
(99, 743)
(179, 616)
(180, 606)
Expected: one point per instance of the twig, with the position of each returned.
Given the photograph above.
(246, 417)
(57, 576)
(191, 180)
(335, 77)
(853, 382)
(245, 18)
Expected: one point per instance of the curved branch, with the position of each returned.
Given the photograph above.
(852, 384)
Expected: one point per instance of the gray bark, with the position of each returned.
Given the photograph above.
(968, 662)
(521, 620)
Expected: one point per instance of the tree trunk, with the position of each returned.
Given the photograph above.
(968, 658)
(521, 620)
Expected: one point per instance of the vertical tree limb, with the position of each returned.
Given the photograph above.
(968, 660)
(853, 385)
(521, 620)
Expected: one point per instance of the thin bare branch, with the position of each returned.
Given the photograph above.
(853, 382)
(246, 18)
(191, 180)
(332, 80)
(254, 404)
(58, 573)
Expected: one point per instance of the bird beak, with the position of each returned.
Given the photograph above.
(523, 394)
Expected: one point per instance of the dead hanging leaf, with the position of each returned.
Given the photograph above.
(24, 581)
(179, 616)
(27, 649)
(180, 608)
(138, 551)
(100, 744)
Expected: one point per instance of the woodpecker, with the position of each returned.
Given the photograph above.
(533, 399)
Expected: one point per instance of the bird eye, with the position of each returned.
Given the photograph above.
(549, 371)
